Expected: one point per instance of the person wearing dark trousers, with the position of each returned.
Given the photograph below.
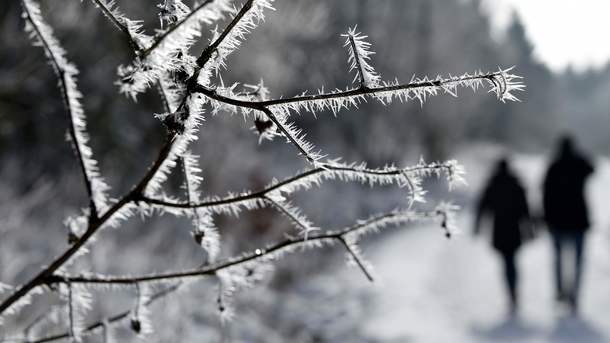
(504, 199)
(565, 212)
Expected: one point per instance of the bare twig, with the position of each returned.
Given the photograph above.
(357, 259)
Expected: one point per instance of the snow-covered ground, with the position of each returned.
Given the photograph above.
(430, 289)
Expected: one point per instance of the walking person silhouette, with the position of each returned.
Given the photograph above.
(504, 199)
(565, 211)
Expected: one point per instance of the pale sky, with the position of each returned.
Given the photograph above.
(563, 32)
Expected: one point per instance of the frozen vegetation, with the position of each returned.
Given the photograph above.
(191, 87)
(232, 235)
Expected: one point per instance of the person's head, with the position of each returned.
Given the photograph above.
(566, 145)
(502, 166)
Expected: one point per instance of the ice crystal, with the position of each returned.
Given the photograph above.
(359, 58)
(172, 11)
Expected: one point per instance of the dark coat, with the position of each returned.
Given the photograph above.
(565, 208)
(504, 198)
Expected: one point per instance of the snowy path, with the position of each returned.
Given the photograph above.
(435, 290)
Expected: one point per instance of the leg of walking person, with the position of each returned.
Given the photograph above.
(557, 238)
(578, 239)
(511, 279)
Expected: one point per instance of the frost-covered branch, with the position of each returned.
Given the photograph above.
(119, 210)
(114, 215)
(250, 15)
(204, 232)
(329, 171)
(207, 11)
(212, 48)
(502, 83)
(294, 136)
(132, 29)
(188, 114)
(70, 305)
(359, 55)
(42, 34)
(356, 257)
(294, 214)
(98, 326)
(268, 254)
(162, 55)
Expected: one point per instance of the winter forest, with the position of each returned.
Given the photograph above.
(297, 171)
